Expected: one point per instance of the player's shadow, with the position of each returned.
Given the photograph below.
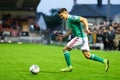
(50, 72)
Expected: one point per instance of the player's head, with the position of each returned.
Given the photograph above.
(63, 13)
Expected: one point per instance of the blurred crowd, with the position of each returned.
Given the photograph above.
(17, 23)
(109, 35)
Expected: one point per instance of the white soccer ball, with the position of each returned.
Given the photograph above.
(34, 69)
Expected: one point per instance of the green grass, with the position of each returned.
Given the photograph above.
(15, 60)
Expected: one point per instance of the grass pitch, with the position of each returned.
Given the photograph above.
(15, 60)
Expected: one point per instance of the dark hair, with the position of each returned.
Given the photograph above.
(62, 10)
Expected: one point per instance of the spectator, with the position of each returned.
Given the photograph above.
(99, 35)
(105, 39)
(111, 38)
(118, 37)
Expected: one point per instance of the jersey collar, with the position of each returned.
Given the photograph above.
(69, 16)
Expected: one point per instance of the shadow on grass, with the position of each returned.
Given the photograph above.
(50, 72)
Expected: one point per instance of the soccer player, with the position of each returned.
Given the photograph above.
(80, 31)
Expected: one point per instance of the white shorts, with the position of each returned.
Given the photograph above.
(82, 43)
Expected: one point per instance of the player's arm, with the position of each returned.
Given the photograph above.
(85, 22)
(60, 37)
(68, 33)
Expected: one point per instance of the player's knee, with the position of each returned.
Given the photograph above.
(64, 49)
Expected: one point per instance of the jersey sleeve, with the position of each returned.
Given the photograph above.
(74, 18)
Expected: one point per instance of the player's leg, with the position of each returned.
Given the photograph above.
(96, 58)
(66, 51)
(86, 51)
(92, 56)
(71, 44)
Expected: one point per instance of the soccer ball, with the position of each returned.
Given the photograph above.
(34, 69)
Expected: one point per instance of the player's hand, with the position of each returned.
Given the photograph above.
(88, 31)
(59, 37)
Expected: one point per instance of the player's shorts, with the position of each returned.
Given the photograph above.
(79, 42)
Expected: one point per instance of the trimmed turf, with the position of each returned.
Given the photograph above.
(15, 60)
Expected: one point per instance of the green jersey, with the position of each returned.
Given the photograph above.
(74, 24)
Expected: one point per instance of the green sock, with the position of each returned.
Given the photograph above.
(67, 57)
(96, 58)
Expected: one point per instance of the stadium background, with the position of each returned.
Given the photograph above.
(28, 37)
(20, 22)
